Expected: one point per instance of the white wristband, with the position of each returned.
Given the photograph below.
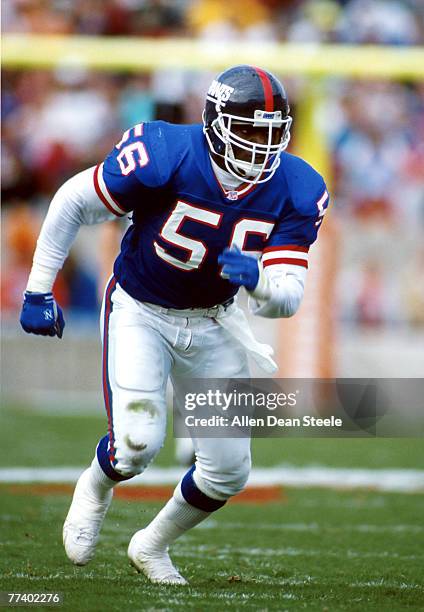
(41, 278)
(262, 291)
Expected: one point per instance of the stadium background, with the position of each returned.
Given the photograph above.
(358, 117)
(364, 309)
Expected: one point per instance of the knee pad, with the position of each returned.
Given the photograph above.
(137, 436)
(141, 435)
(223, 482)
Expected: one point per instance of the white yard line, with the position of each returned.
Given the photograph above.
(311, 527)
(395, 480)
(386, 584)
(248, 553)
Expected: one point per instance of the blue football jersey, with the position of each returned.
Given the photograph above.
(182, 219)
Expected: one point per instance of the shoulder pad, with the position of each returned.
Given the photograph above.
(146, 157)
(156, 170)
(306, 185)
(169, 144)
(148, 152)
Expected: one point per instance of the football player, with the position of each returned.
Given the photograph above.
(214, 207)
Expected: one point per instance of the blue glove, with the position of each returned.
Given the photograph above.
(239, 269)
(41, 315)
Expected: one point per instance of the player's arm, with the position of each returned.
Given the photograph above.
(276, 283)
(107, 191)
(275, 290)
(279, 291)
(284, 263)
(76, 203)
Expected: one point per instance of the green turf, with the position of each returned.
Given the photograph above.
(317, 550)
(35, 438)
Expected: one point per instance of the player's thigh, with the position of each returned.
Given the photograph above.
(214, 353)
(222, 464)
(224, 356)
(136, 365)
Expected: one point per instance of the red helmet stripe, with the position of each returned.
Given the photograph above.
(266, 84)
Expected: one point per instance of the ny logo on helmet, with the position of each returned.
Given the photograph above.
(219, 92)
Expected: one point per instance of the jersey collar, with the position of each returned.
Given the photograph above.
(229, 185)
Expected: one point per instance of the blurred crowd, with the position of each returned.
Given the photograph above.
(354, 21)
(56, 123)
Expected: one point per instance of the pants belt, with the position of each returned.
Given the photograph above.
(192, 312)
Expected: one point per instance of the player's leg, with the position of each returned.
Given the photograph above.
(135, 370)
(222, 465)
(189, 506)
(184, 451)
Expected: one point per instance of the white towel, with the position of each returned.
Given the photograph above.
(235, 322)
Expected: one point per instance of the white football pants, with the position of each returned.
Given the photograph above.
(144, 344)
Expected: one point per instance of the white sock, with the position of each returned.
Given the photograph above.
(172, 521)
(99, 482)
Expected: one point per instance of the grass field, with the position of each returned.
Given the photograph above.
(311, 549)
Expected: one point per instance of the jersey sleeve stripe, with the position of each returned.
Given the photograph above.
(104, 194)
(284, 253)
(287, 247)
(286, 260)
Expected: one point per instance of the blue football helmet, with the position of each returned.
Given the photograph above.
(246, 122)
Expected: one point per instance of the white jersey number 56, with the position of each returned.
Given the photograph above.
(196, 249)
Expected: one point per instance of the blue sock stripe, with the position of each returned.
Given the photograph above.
(194, 496)
(104, 461)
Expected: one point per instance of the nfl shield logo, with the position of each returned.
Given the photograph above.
(232, 195)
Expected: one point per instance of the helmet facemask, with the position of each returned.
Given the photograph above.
(249, 161)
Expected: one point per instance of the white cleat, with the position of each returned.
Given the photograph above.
(84, 520)
(156, 565)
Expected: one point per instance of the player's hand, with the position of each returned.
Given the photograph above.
(240, 269)
(41, 315)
